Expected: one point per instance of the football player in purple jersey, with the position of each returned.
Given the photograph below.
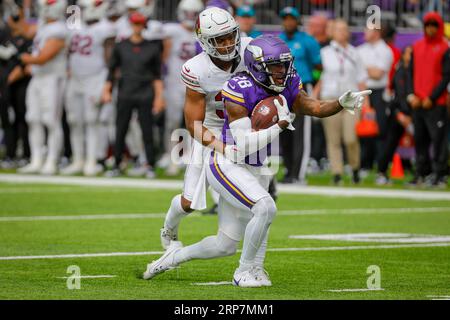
(246, 209)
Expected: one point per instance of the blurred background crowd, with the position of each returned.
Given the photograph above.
(133, 96)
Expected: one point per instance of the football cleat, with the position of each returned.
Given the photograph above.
(33, 167)
(92, 169)
(262, 276)
(166, 262)
(247, 279)
(73, 169)
(49, 169)
(167, 236)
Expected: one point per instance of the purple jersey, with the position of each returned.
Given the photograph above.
(243, 90)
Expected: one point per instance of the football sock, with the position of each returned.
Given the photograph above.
(261, 253)
(36, 137)
(211, 247)
(91, 142)
(55, 137)
(175, 214)
(77, 142)
(255, 233)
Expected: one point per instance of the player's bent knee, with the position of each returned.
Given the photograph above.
(226, 245)
(266, 207)
(186, 205)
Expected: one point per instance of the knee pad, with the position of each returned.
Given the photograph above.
(226, 245)
(265, 208)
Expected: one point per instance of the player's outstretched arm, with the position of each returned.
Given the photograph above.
(350, 101)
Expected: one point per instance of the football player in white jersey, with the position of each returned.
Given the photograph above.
(180, 43)
(88, 71)
(46, 90)
(203, 76)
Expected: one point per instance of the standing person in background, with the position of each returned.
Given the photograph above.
(46, 90)
(342, 71)
(17, 82)
(245, 17)
(180, 43)
(389, 33)
(14, 82)
(87, 63)
(377, 59)
(318, 27)
(306, 51)
(399, 119)
(140, 86)
(430, 69)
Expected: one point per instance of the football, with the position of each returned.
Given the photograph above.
(265, 114)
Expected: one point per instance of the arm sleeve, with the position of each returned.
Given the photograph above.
(114, 63)
(190, 79)
(442, 86)
(251, 142)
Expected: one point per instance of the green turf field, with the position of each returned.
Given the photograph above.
(299, 269)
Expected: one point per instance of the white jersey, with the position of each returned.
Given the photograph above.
(45, 32)
(202, 75)
(153, 30)
(87, 52)
(183, 48)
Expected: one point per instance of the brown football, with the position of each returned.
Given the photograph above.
(265, 114)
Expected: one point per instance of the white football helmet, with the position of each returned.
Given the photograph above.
(116, 8)
(52, 9)
(188, 11)
(213, 23)
(93, 9)
(146, 7)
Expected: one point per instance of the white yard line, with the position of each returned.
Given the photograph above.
(354, 290)
(159, 215)
(177, 185)
(88, 277)
(145, 253)
(221, 283)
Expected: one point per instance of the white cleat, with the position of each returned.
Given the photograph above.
(92, 169)
(164, 263)
(49, 169)
(167, 236)
(263, 277)
(73, 169)
(247, 279)
(33, 167)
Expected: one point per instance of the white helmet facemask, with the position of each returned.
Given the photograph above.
(213, 25)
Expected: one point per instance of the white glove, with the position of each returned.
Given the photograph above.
(233, 154)
(352, 101)
(283, 112)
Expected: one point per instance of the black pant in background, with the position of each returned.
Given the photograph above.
(372, 148)
(431, 129)
(318, 141)
(17, 98)
(125, 107)
(292, 145)
(395, 132)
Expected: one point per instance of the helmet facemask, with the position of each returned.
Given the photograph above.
(270, 68)
(212, 45)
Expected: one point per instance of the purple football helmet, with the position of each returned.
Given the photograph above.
(265, 54)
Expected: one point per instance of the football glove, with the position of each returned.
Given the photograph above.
(353, 101)
(283, 112)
